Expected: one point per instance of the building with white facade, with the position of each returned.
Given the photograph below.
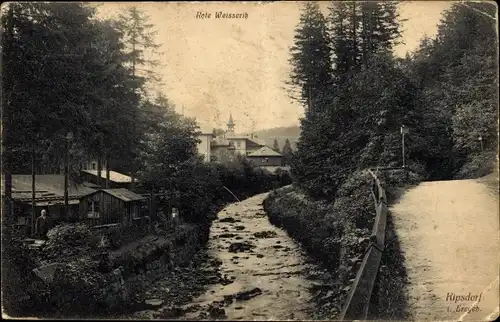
(226, 146)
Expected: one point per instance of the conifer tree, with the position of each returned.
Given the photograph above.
(287, 152)
(340, 38)
(310, 58)
(276, 146)
(138, 36)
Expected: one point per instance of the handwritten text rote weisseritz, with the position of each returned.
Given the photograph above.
(221, 15)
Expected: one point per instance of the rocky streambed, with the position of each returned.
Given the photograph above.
(249, 270)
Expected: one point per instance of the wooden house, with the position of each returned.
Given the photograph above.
(265, 157)
(49, 195)
(111, 206)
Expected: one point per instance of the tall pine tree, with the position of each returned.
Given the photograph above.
(363, 108)
(276, 146)
(139, 37)
(310, 58)
(287, 152)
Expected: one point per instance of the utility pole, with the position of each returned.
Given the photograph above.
(404, 130)
(481, 142)
(107, 170)
(68, 138)
(33, 192)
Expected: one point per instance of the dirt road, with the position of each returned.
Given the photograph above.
(449, 233)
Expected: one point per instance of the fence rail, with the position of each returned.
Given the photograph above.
(358, 299)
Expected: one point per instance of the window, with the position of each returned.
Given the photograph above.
(135, 212)
(93, 209)
(238, 144)
(94, 166)
(96, 208)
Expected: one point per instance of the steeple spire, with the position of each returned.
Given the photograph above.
(230, 123)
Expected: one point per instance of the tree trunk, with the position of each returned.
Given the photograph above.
(134, 119)
(363, 36)
(354, 37)
(99, 170)
(66, 173)
(6, 119)
(107, 171)
(33, 193)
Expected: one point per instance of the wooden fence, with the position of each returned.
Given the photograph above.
(358, 300)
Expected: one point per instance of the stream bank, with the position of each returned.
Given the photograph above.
(247, 265)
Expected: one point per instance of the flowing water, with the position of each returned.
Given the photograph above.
(260, 272)
(275, 265)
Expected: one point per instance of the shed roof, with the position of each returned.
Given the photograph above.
(47, 187)
(124, 194)
(265, 152)
(113, 176)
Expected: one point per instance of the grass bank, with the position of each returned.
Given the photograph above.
(337, 234)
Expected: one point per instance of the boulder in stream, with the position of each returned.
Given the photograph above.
(228, 219)
(217, 312)
(240, 247)
(228, 299)
(248, 294)
(265, 234)
(226, 235)
(154, 302)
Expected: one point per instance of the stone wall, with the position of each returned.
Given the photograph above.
(118, 289)
(160, 257)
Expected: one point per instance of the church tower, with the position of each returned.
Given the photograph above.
(230, 124)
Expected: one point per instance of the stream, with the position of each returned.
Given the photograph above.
(261, 272)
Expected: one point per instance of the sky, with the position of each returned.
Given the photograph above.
(213, 67)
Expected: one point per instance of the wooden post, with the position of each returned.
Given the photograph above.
(33, 193)
(99, 171)
(7, 84)
(107, 171)
(66, 173)
(403, 148)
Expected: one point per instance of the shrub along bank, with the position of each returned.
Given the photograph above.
(198, 188)
(337, 234)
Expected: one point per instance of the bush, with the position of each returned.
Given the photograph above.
(478, 165)
(333, 232)
(200, 189)
(77, 287)
(23, 293)
(68, 240)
